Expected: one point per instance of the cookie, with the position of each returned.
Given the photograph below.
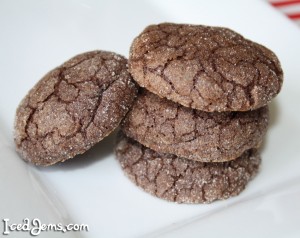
(185, 181)
(168, 127)
(206, 68)
(73, 107)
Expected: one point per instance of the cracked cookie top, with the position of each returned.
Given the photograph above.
(206, 68)
(73, 107)
(169, 127)
(185, 181)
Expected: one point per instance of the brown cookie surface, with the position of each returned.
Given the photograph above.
(206, 68)
(168, 127)
(185, 181)
(73, 107)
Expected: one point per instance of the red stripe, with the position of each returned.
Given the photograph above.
(284, 3)
(294, 16)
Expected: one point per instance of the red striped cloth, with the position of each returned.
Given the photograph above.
(291, 8)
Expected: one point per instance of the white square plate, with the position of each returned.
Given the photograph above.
(37, 36)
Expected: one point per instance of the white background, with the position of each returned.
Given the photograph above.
(37, 36)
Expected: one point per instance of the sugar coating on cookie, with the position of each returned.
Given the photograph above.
(206, 68)
(73, 107)
(185, 181)
(169, 127)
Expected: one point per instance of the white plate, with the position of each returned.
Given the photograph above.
(38, 35)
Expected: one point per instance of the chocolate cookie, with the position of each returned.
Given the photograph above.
(73, 107)
(185, 181)
(206, 68)
(168, 127)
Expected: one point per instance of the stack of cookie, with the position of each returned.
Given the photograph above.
(191, 135)
(193, 132)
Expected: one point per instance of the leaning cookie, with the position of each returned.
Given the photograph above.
(168, 127)
(206, 68)
(73, 107)
(185, 181)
